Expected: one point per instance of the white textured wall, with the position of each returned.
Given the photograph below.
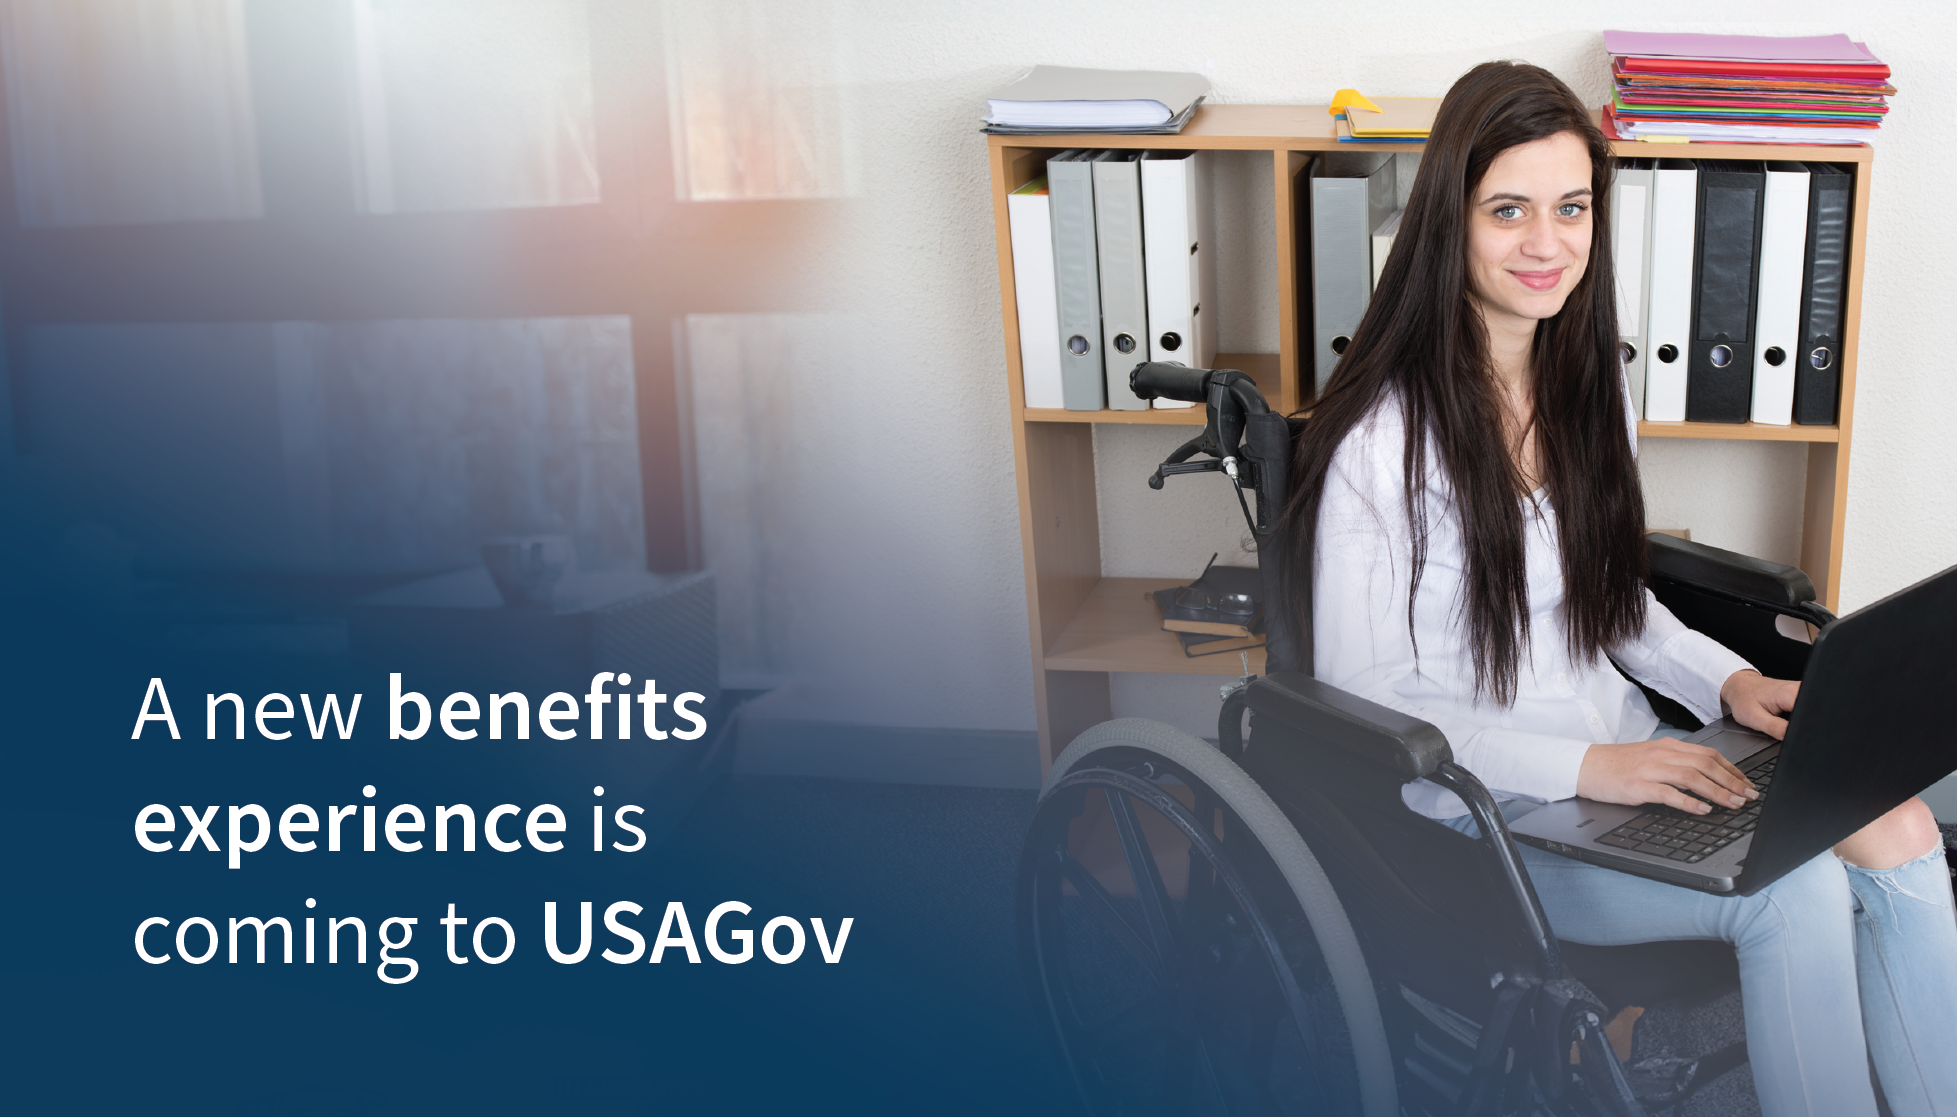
(918, 257)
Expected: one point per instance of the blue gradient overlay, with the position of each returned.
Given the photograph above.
(302, 304)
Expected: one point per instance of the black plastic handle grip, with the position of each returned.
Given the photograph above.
(1163, 380)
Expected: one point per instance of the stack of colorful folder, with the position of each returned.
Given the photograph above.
(1823, 89)
(1387, 120)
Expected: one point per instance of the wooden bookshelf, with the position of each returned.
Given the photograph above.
(1084, 626)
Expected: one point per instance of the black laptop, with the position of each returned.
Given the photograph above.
(1871, 728)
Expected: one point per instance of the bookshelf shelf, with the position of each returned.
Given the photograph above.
(1118, 629)
(1751, 432)
(1310, 128)
(1084, 626)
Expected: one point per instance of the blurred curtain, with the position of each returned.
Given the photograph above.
(124, 113)
(756, 97)
(472, 105)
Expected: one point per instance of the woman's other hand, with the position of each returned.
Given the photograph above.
(1639, 772)
(1758, 702)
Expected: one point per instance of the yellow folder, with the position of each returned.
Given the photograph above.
(1397, 118)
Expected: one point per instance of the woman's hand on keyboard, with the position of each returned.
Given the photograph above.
(1758, 702)
(1662, 771)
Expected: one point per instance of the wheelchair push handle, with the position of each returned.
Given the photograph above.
(1168, 380)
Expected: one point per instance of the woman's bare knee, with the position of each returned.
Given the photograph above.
(1901, 836)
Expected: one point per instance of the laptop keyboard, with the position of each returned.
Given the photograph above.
(1691, 838)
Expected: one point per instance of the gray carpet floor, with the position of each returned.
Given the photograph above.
(1668, 1032)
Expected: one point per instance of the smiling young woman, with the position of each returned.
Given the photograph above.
(1467, 532)
(1528, 247)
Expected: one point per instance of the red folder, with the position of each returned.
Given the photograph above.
(1758, 69)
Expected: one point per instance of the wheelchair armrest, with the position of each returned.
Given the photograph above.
(1408, 749)
(1406, 746)
(1738, 601)
(1782, 589)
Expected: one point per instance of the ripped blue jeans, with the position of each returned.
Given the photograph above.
(1835, 961)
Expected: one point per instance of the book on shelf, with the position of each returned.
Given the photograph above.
(1076, 279)
(1631, 200)
(1817, 363)
(1383, 242)
(1030, 227)
(1725, 291)
(1668, 287)
(1066, 99)
(1179, 251)
(1389, 120)
(1224, 601)
(1196, 644)
(1124, 284)
(1350, 195)
(1777, 333)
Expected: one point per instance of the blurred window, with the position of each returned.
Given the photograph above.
(472, 104)
(438, 325)
(126, 113)
(756, 101)
(382, 447)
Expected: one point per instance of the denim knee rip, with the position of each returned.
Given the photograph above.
(1886, 879)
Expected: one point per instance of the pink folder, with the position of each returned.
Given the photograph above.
(1738, 48)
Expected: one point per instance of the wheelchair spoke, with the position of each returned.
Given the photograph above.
(1234, 1077)
(1245, 990)
(1192, 1086)
(1206, 901)
(1141, 867)
(1103, 905)
(1151, 1013)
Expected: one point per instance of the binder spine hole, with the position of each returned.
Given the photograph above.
(1078, 345)
(1721, 356)
(1821, 358)
(1124, 343)
(1774, 355)
(1171, 341)
(1339, 343)
(1628, 351)
(1668, 353)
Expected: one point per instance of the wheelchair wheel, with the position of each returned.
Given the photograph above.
(1187, 949)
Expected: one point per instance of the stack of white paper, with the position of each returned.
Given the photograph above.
(1094, 100)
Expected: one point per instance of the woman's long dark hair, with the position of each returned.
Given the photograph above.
(1423, 341)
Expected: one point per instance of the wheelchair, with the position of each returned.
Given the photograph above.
(1262, 926)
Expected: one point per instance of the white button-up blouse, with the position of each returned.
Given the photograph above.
(1533, 749)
